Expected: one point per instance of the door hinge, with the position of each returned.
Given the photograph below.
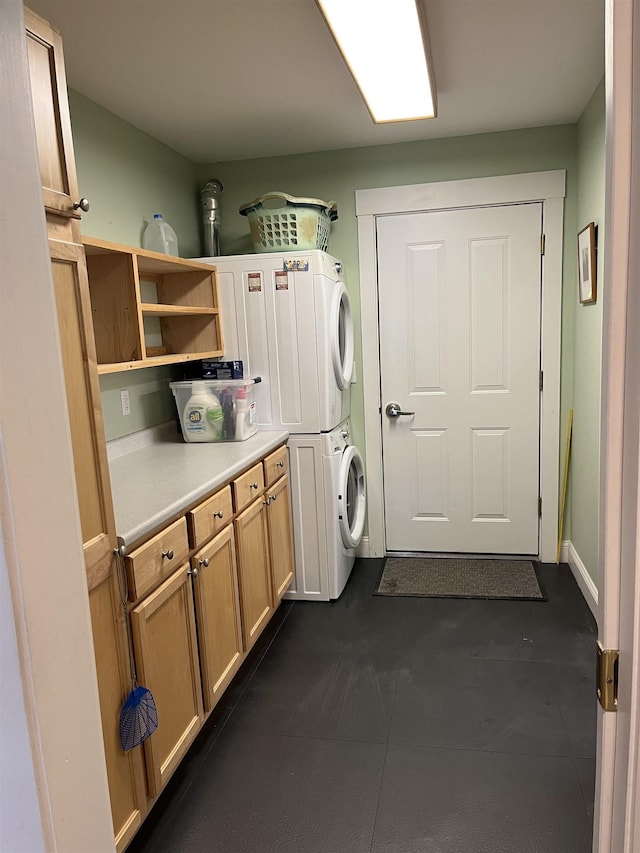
(539, 507)
(607, 678)
(542, 242)
(541, 380)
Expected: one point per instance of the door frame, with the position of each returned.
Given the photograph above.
(549, 188)
(617, 794)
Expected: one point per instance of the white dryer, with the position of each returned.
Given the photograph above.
(328, 496)
(288, 317)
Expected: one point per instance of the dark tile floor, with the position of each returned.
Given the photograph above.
(398, 725)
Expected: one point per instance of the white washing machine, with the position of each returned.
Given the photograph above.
(328, 496)
(288, 317)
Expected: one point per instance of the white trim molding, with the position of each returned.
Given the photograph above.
(545, 187)
(589, 590)
(363, 548)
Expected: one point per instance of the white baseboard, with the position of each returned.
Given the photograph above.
(363, 548)
(589, 590)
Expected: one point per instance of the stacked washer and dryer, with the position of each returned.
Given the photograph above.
(288, 317)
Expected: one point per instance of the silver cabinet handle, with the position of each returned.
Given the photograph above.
(394, 410)
(272, 497)
(267, 502)
(280, 464)
(204, 562)
(83, 204)
(168, 554)
(218, 514)
(192, 572)
(253, 485)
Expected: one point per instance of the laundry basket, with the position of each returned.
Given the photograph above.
(280, 222)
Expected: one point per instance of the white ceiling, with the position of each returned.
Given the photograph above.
(235, 79)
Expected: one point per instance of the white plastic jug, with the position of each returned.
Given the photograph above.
(159, 236)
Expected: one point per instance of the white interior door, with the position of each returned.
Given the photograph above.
(459, 317)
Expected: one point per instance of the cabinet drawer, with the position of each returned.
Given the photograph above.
(157, 558)
(247, 486)
(275, 465)
(210, 517)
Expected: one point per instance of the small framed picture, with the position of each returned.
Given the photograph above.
(587, 264)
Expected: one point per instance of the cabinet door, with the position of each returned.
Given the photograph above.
(85, 410)
(256, 599)
(280, 537)
(217, 615)
(164, 631)
(52, 121)
(125, 770)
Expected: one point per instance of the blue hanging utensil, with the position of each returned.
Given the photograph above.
(139, 715)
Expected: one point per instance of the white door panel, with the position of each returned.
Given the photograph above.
(459, 295)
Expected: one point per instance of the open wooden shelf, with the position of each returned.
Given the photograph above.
(150, 309)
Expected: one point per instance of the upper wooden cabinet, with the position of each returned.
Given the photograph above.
(149, 308)
(53, 127)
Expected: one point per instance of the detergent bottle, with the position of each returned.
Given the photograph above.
(202, 418)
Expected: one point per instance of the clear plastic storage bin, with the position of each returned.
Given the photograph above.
(216, 409)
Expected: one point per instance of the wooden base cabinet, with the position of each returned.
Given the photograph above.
(166, 648)
(215, 584)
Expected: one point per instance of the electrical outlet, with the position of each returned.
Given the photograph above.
(126, 403)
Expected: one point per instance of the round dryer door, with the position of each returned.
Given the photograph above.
(352, 497)
(341, 342)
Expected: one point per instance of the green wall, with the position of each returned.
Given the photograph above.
(128, 176)
(337, 175)
(587, 343)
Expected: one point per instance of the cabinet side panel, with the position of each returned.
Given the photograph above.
(115, 309)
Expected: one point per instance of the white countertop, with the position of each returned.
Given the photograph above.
(154, 481)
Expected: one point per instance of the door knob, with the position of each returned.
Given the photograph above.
(393, 410)
(83, 204)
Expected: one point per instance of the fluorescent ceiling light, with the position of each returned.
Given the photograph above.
(385, 46)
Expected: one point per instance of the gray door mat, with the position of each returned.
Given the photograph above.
(458, 577)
